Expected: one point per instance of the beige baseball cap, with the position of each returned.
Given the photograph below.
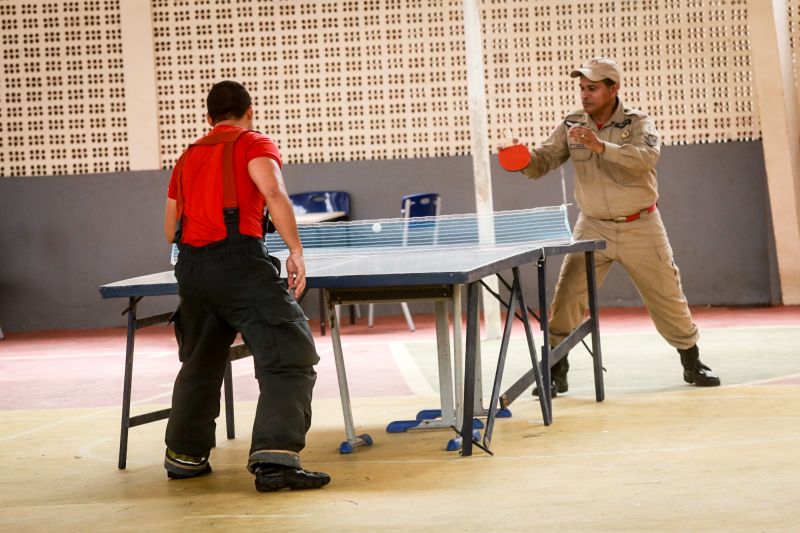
(598, 69)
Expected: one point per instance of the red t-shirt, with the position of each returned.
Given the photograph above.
(201, 187)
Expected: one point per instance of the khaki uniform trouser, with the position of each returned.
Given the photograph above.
(642, 248)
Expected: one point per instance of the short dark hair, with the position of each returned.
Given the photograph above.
(227, 100)
(609, 82)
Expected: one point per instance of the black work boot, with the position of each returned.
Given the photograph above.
(270, 478)
(180, 466)
(558, 374)
(694, 371)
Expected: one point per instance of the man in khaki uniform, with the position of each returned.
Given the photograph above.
(614, 150)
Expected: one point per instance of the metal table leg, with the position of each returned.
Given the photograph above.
(473, 334)
(594, 316)
(458, 355)
(445, 416)
(321, 312)
(544, 389)
(126, 389)
(344, 392)
(228, 388)
(547, 415)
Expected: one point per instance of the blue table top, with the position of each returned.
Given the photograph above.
(354, 268)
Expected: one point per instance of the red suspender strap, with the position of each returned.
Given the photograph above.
(228, 138)
(229, 202)
(178, 177)
(228, 181)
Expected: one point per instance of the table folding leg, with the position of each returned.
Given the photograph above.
(449, 415)
(552, 354)
(126, 420)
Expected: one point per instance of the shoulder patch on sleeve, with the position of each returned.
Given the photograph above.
(631, 111)
(650, 139)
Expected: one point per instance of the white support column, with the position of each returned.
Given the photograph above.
(139, 67)
(476, 92)
(780, 127)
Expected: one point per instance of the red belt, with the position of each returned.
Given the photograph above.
(635, 216)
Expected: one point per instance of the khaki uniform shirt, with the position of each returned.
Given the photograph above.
(619, 182)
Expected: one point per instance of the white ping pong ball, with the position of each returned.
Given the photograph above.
(376, 227)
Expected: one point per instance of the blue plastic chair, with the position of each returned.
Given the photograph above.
(321, 202)
(426, 204)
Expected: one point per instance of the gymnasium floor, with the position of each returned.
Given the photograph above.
(657, 455)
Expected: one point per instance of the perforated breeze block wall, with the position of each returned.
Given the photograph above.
(62, 101)
(361, 80)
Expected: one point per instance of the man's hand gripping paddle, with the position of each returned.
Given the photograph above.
(513, 156)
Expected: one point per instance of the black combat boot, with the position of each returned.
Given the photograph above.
(694, 371)
(270, 478)
(558, 374)
(180, 466)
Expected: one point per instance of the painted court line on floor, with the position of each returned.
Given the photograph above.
(80, 417)
(151, 354)
(770, 380)
(604, 453)
(87, 451)
(410, 370)
(238, 516)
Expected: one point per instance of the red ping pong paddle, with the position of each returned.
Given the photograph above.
(514, 158)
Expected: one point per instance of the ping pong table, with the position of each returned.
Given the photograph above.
(429, 259)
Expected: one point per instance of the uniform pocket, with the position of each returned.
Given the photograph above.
(271, 296)
(262, 257)
(276, 263)
(582, 161)
(279, 307)
(579, 152)
(668, 272)
(291, 346)
(175, 320)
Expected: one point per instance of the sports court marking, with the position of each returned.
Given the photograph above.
(249, 516)
(410, 370)
(450, 457)
(791, 379)
(69, 420)
(87, 451)
(499, 456)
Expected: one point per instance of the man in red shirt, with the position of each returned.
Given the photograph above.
(228, 284)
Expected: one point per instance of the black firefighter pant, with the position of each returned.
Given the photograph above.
(231, 287)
